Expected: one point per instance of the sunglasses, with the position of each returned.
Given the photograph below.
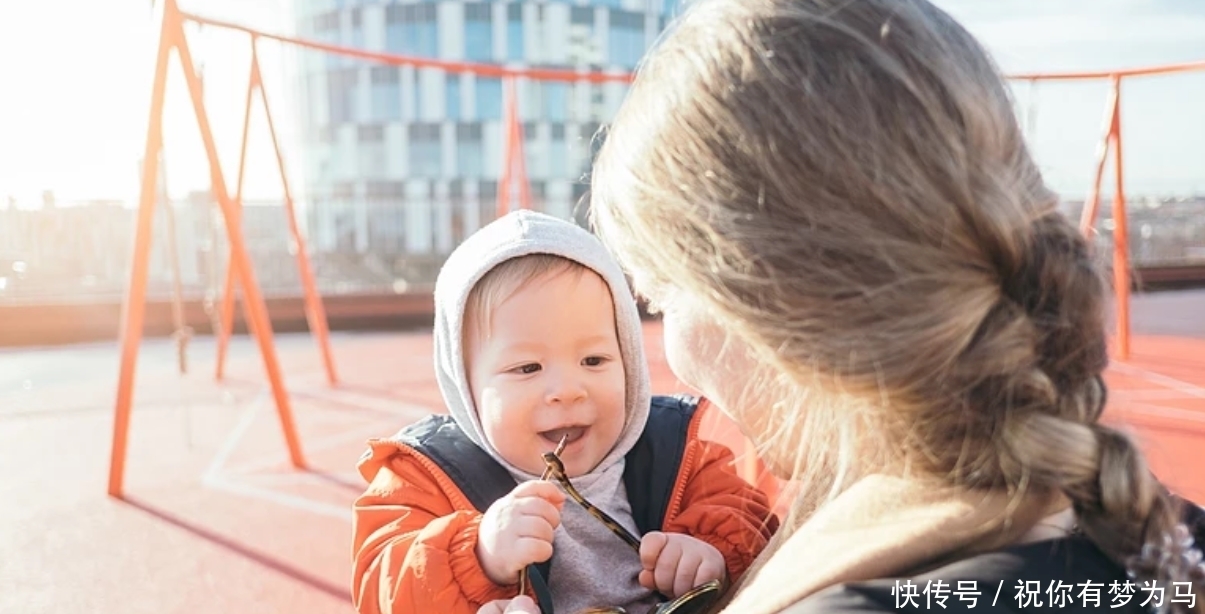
(695, 601)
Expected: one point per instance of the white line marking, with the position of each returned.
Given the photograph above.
(279, 498)
(350, 477)
(309, 447)
(236, 435)
(218, 475)
(390, 406)
(1161, 394)
(1164, 380)
(1156, 411)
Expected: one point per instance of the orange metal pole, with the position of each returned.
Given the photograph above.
(520, 160)
(256, 308)
(1121, 236)
(1145, 71)
(134, 306)
(314, 311)
(508, 162)
(564, 75)
(1091, 207)
(227, 309)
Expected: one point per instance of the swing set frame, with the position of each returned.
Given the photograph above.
(240, 275)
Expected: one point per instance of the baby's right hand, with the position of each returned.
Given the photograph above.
(517, 530)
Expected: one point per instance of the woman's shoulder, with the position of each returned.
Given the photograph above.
(1067, 575)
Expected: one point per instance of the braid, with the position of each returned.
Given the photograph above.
(1050, 437)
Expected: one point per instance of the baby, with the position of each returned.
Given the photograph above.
(538, 342)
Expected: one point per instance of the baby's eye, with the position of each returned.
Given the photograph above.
(529, 368)
(594, 361)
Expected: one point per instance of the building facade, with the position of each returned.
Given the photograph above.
(403, 163)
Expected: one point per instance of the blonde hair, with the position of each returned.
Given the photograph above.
(503, 281)
(844, 187)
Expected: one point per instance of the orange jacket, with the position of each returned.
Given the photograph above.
(415, 532)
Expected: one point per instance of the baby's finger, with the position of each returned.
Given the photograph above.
(647, 579)
(541, 489)
(684, 576)
(528, 550)
(710, 570)
(667, 567)
(651, 546)
(522, 605)
(534, 527)
(497, 606)
(535, 507)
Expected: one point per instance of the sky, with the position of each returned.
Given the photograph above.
(75, 88)
(73, 109)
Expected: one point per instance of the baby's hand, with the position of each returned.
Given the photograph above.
(519, 605)
(517, 529)
(675, 563)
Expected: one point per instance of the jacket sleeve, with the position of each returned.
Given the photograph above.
(414, 551)
(722, 509)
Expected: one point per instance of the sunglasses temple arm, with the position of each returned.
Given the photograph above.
(615, 527)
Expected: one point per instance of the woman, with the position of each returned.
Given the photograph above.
(858, 260)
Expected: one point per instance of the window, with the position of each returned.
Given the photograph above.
(416, 97)
(370, 150)
(556, 101)
(489, 98)
(396, 29)
(386, 93)
(470, 153)
(626, 38)
(428, 31)
(558, 153)
(582, 16)
(387, 222)
(412, 29)
(591, 137)
(457, 205)
(581, 204)
(389, 191)
(478, 32)
(452, 97)
(487, 194)
(342, 94)
(344, 191)
(583, 45)
(426, 151)
(357, 28)
(326, 23)
(514, 32)
(530, 130)
(370, 133)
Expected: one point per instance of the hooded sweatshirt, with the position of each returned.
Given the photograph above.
(590, 565)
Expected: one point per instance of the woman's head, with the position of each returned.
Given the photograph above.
(844, 188)
(839, 192)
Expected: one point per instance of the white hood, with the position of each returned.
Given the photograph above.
(517, 234)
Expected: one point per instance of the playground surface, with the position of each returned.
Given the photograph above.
(216, 521)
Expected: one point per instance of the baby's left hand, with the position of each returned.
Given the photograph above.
(675, 563)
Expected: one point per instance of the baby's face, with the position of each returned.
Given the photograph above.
(550, 367)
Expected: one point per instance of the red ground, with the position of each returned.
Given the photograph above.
(215, 520)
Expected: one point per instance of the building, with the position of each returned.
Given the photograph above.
(400, 164)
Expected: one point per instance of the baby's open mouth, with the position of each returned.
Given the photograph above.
(570, 433)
